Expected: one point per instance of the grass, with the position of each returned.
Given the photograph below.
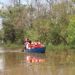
(49, 47)
(12, 46)
(60, 47)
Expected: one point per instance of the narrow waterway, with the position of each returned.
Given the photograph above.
(50, 63)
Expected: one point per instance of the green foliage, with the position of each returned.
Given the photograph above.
(9, 32)
(1, 36)
(54, 26)
(19, 35)
(32, 34)
(57, 48)
(12, 46)
(60, 22)
(13, 25)
(42, 26)
(73, 0)
(71, 31)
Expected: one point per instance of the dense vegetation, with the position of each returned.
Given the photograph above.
(51, 22)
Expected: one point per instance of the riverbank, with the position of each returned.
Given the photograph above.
(59, 48)
(50, 47)
(12, 46)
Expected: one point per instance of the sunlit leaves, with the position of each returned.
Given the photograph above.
(71, 31)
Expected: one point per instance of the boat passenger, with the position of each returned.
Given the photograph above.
(27, 43)
(36, 44)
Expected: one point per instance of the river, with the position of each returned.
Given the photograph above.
(50, 63)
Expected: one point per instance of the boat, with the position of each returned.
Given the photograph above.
(35, 50)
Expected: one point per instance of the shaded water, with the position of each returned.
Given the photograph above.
(55, 63)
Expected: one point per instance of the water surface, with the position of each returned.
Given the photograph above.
(55, 63)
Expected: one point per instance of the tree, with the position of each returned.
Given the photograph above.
(14, 24)
(16, 2)
(71, 29)
(60, 22)
(49, 21)
(73, 0)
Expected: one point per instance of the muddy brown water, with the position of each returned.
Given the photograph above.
(56, 63)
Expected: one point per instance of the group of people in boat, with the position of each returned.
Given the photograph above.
(28, 44)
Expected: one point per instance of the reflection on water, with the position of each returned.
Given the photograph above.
(2, 64)
(16, 63)
(32, 59)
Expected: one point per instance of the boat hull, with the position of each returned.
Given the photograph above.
(35, 50)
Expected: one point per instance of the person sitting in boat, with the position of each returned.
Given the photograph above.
(27, 43)
(37, 44)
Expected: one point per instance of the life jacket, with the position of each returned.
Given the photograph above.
(36, 44)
